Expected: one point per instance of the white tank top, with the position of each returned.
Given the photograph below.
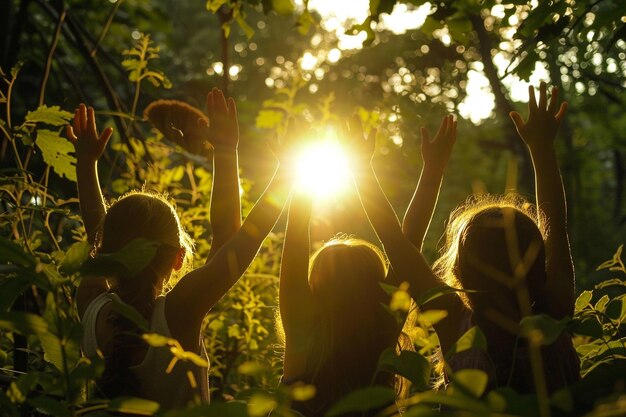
(170, 390)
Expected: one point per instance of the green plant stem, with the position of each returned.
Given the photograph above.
(106, 27)
(53, 46)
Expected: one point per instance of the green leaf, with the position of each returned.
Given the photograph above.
(452, 399)
(55, 151)
(156, 340)
(134, 405)
(23, 323)
(362, 400)
(303, 392)
(601, 304)
(431, 317)
(474, 338)
(214, 5)
(10, 288)
(437, 292)
(430, 25)
(269, 119)
(616, 310)
(305, 21)
(260, 404)
(583, 300)
(247, 29)
(507, 400)
(589, 326)
(411, 365)
(473, 381)
(51, 406)
(283, 7)
(128, 261)
(252, 368)
(215, 409)
(130, 313)
(52, 115)
(19, 389)
(11, 252)
(549, 329)
(75, 256)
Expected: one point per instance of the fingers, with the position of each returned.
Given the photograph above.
(561, 113)
(219, 101)
(105, 136)
(232, 110)
(83, 117)
(452, 130)
(76, 123)
(517, 120)
(542, 96)
(425, 136)
(532, 103)
(443, 127)
(69, 132)
(210, 106)
(91, 122)
(554, 100)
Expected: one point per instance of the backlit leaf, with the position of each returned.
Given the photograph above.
(52, 115)
(56, 153)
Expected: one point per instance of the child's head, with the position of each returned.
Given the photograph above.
(352, 326)
(149, 216)
(494, 245)
(345, 268)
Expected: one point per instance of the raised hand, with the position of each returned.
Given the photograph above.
(362, 146)
(84, 136)
(544, 118)
(223, 124)
(436, 151)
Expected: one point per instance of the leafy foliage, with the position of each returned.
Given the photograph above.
(397, 83)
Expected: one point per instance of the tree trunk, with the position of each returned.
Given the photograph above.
(503, 107)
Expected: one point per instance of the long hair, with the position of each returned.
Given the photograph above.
(353, 327)
(495, 247)
(146, 215)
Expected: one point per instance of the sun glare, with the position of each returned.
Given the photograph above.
(323, 169)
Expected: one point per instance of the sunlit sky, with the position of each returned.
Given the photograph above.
(337, 16)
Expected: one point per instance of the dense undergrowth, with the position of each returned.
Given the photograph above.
(44, 255)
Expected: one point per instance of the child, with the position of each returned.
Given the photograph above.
(333, 306)
(502, 248)
(133, 368)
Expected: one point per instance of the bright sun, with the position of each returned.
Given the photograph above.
(323, 168)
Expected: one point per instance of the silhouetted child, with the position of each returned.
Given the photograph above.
(333, 306)
(132, 367)
(517, 259)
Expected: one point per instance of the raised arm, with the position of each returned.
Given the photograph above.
(406, 260)
(296, 308)
(539, 132)
(195, 294)
(435, 155)
(225, 209)
(89, 147)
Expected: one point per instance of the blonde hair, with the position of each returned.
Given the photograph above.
(353, 328)
(467, 215)
(148, 215)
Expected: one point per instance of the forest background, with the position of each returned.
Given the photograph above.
(399, 65)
